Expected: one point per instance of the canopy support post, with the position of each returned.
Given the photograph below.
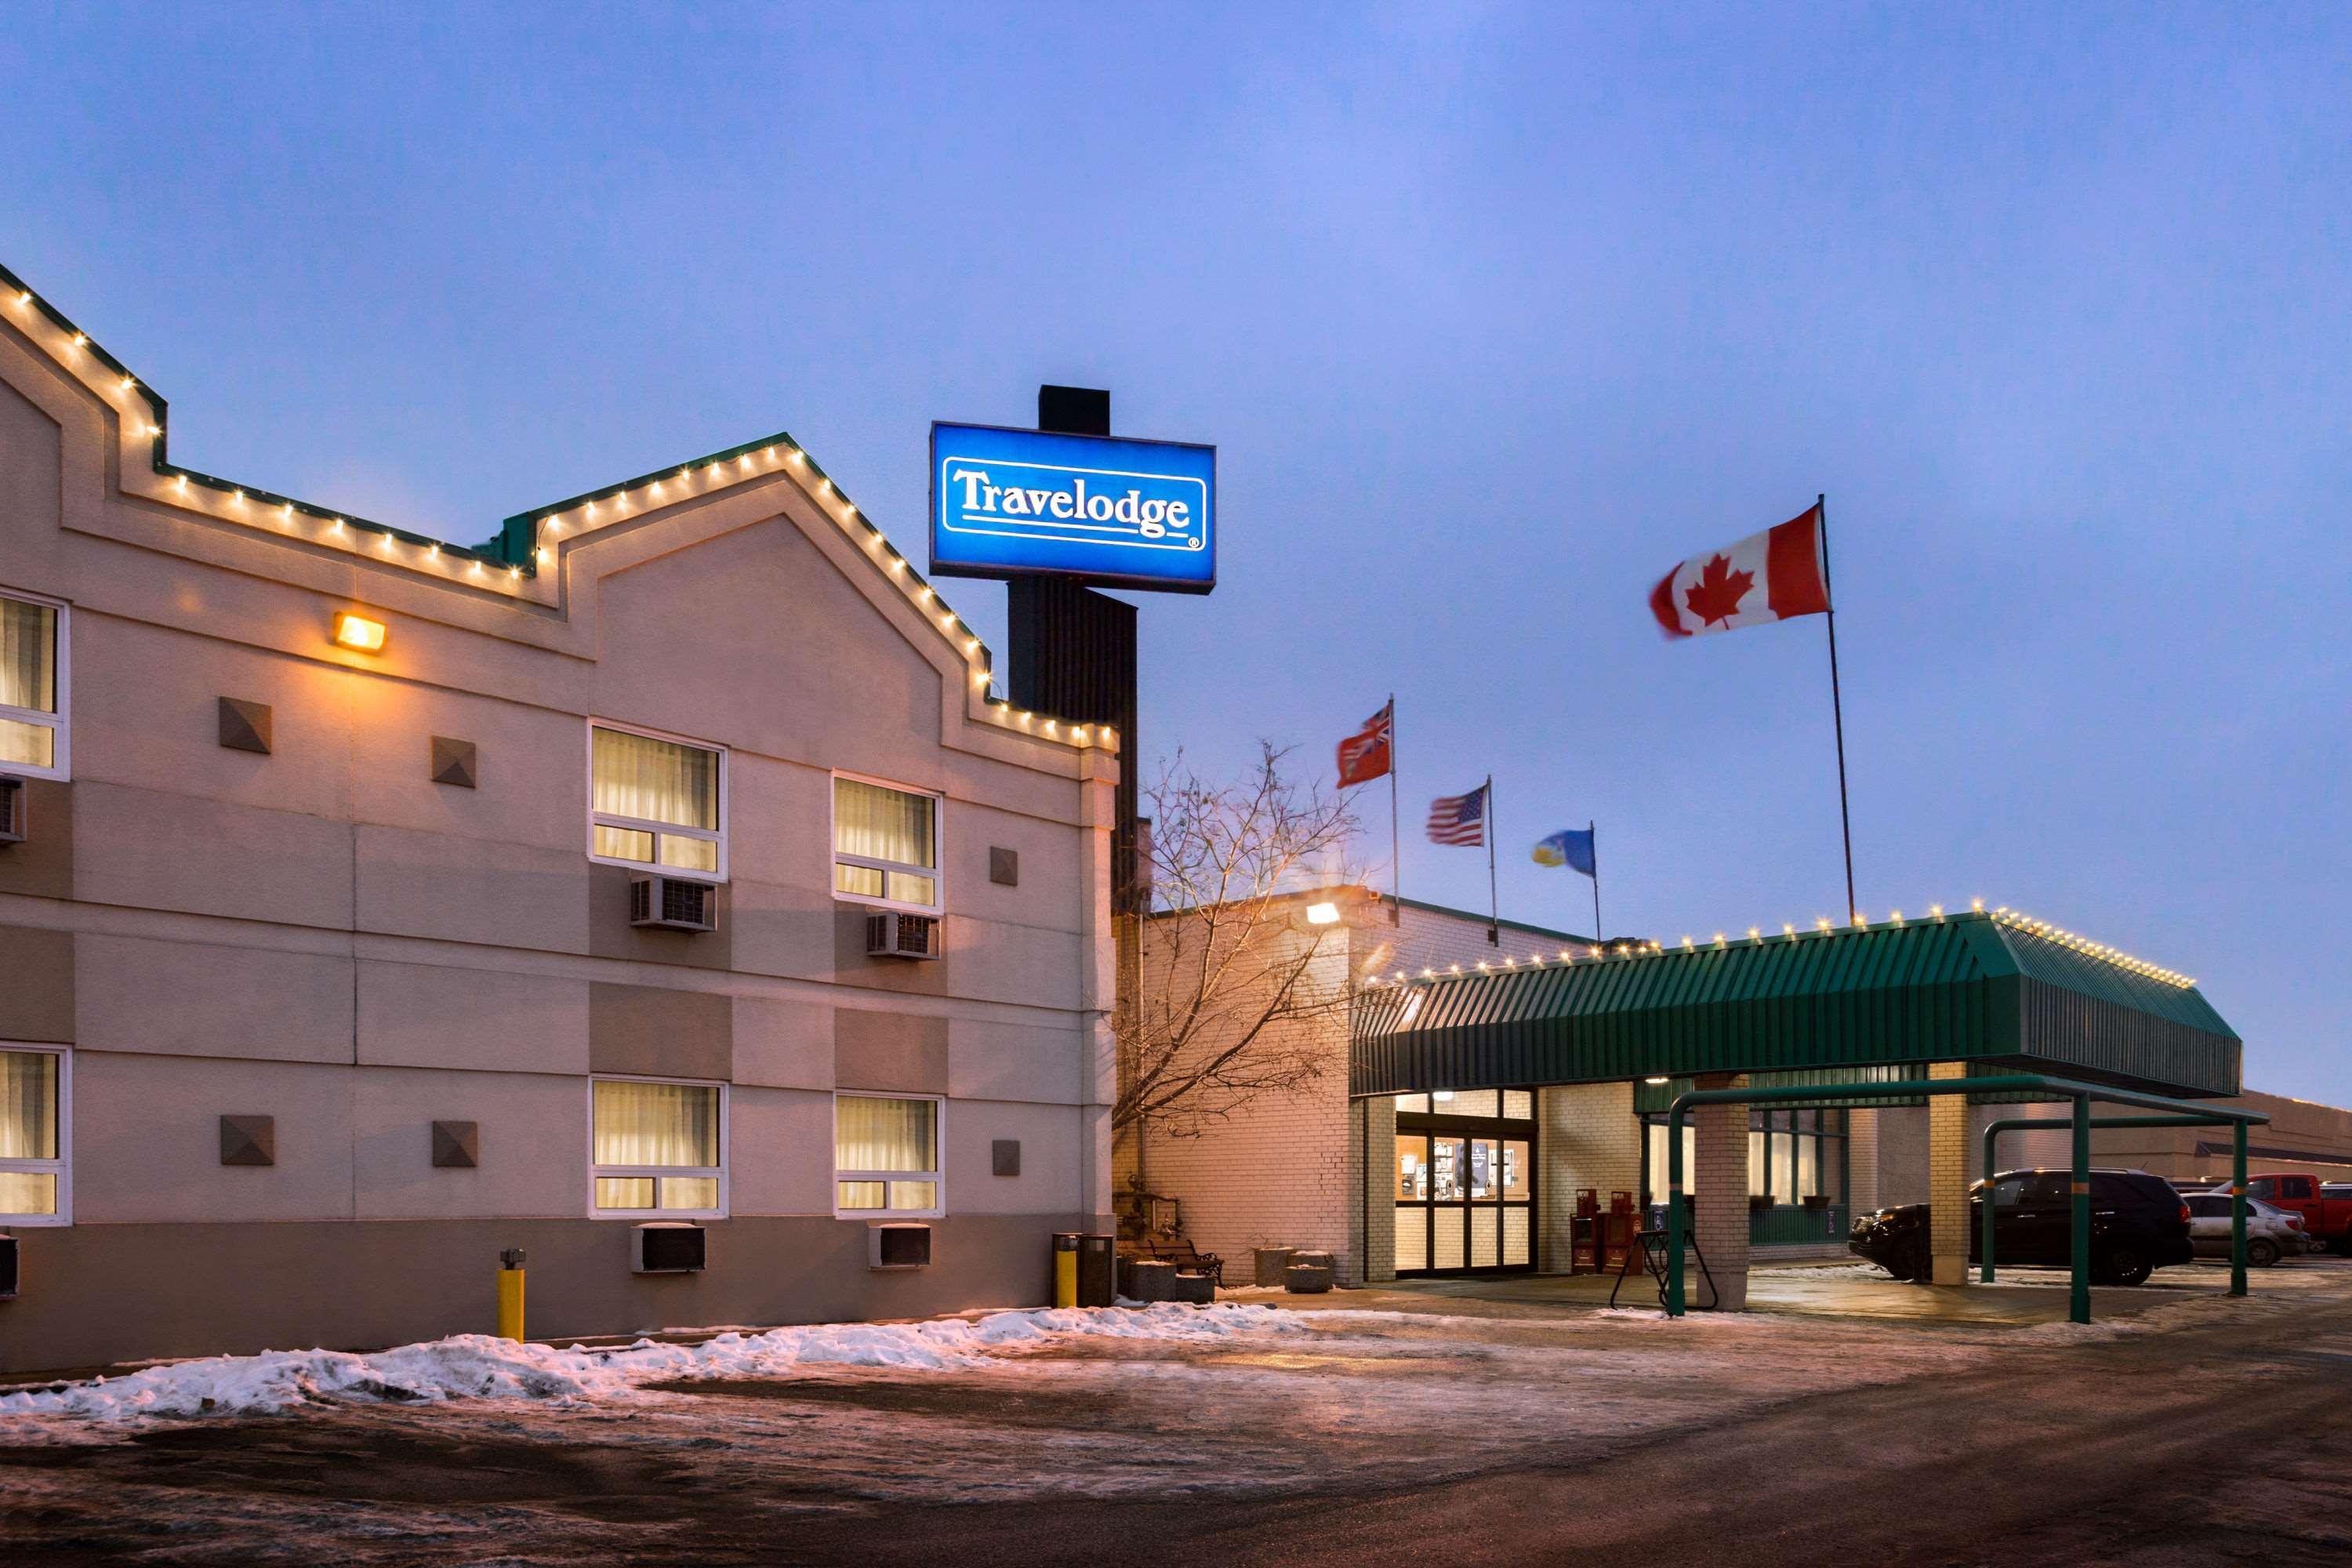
(2238, 1211)
(2078, 1294)
(1675, 1304)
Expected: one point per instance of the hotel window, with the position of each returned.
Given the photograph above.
(886, 844)
(886, 1156)
(658, 1148)
(32, 1134)
(653, 801)
(33, 738)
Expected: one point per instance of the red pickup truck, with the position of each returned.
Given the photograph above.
(2325, 1208)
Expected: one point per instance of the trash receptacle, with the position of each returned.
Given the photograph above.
(1097, 1270)
(1065, 1268)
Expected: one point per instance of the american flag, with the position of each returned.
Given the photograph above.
(1459, 818)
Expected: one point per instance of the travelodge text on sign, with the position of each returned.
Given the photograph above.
(1012, 504)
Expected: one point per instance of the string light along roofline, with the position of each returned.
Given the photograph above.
(1634, 951)
(503, 563)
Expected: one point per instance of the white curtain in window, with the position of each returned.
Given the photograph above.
(656, 1124)
(29, 670)
(882, 824)
(29, 1105)
(885, 1134)
(656, 781)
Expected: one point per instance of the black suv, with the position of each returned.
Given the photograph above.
(2138, 1224)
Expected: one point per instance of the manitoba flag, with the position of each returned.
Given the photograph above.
(1767, 576)
(1364, 755)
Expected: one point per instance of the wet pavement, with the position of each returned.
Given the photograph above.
(1852, 1419)
(2017, 1297)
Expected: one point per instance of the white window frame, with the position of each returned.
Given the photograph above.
(726, 1147)
(62, 1166)
(836, 859)
(638, 824)
(59, 723)
(938, 1178)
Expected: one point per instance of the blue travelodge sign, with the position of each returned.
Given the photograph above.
(1016, 503)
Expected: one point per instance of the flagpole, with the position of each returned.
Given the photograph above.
(1837, 704)
(1493, 902)
(1396, 843)
(1592, 838)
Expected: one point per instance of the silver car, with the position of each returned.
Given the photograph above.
(2270, 1232)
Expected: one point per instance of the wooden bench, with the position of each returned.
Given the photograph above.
(1180, 1251)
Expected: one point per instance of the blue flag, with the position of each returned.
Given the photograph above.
(1572, 848)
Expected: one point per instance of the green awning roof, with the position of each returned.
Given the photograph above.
(1974, 987)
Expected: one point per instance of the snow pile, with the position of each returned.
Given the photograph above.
(476, 1366)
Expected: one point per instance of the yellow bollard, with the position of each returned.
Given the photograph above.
(510, 1294)
(1066, 1270)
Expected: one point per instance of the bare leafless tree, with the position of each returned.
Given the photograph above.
(1233, 982)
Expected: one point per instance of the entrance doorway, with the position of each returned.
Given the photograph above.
(1466, 1182)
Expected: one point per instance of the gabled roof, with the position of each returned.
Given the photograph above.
(1979, 986)
(508, 562)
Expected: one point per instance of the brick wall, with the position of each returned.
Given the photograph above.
(1862, 1160)
(1948, 1163)
(1587, 1137)
(1288, 1169)
(1377, 1129)
(1901, 1155)
(1719, 1136)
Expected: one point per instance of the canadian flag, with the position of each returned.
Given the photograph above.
(1767, 576)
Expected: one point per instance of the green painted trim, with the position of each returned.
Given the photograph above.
(1790, 1225)
(159, 446)
(515, 545)
(1829, 1005)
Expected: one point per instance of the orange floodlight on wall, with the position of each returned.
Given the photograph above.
(359, 633)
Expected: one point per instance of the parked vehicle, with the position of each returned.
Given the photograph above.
(2270, 1232)
(2138, 1224)
(2326, 1213)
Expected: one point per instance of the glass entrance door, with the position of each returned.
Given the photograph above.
(1466, 1182)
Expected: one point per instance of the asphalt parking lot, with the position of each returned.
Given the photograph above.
(1379, 1425)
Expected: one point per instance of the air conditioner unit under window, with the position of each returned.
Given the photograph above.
(673, 903)
(11, 809)
(667, 1246)
(893, 934)
(897, 1246)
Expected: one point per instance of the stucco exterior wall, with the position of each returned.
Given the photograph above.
(327, 935)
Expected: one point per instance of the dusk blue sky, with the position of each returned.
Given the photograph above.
(1494, 314)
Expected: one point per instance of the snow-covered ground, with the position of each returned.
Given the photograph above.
(441, 1453)
(477, 1367)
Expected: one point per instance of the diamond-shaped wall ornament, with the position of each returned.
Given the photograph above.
(1004, 866)
(453, 761)
(244, 726)
(248, 1139)
(457, 1145)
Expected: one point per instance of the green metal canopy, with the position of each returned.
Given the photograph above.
(1988, 988)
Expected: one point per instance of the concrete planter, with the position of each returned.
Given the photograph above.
(1146, 1279)
(1198, 1290)
(1310, 1273)
(1272, 1263)
(1306, 1278)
